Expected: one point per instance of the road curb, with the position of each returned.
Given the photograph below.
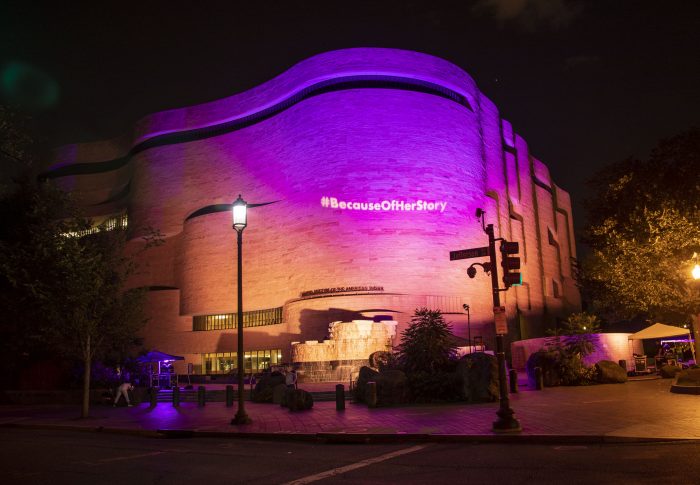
(357, 438)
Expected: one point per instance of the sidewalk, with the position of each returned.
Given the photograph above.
(643, 410)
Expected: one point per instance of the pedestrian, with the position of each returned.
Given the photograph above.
(123, 390)
(291, 379)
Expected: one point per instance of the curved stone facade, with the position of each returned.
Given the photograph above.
(375, 161)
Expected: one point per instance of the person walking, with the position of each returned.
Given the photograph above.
(123, 390)
(291, 379)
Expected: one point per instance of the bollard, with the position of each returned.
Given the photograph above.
(623, 364)
(339, 397)
(201, 396)
(371, 396)
(229, 396)
(539, 379)
(513, 374)
(176, 397)
(153, 395)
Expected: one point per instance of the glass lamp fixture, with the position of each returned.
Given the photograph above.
(695, 272)
(240, 214)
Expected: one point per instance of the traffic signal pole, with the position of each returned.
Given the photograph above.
(506, 421)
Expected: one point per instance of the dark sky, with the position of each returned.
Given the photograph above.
(584, 82)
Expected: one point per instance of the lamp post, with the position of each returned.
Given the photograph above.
(240, 221)
(469, 326)
(695, 318)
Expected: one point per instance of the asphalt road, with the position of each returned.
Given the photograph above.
(58, 457)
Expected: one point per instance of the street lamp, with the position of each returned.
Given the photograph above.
(695, 319)
(469, 326)
(240, 221)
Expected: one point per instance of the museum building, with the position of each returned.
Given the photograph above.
(365, 168)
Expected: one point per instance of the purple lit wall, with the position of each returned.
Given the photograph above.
(376, 128)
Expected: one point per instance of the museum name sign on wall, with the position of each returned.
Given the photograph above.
(385, 205)
(340, 289)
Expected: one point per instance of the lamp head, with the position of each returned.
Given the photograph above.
(240, 214)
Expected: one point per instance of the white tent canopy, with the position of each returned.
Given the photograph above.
(659, 330)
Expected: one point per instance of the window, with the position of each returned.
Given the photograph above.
(225, 321)
(253, 360)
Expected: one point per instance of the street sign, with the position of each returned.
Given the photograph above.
(499, 317)
(469, 253)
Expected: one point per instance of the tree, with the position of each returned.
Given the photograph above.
(578, 334)
(17, 148)
(643, 228)
(96, 313)
(427, 344)
(63, 284)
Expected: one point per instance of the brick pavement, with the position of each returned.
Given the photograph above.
(637, 409)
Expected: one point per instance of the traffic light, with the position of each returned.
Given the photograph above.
(511, 264)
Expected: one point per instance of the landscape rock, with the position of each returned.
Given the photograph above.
(609, 372)
(478, 377)
(549, 363)
(278, 393)
(669, 371)
(689, 377)
(379, 359)
(687, 382)
(298, 400)
(366, 375)
(392, 386)
(263, 391)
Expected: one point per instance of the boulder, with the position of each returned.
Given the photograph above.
(548, 361)
(687, 381)
(298, 400)
(609, 372)
(689, 377)
(278, 393)
(263, 391)
(669, 371)
(379, 359)
(392, 386)
(478, 377)
(366, 374)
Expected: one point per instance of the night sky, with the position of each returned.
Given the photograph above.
(585, 83)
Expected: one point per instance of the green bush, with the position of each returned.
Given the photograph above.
(427, 355)
(559, 368)
(427, 344)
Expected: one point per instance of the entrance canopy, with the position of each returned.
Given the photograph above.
(158, 356)
(659, 330)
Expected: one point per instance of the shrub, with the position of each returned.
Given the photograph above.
(578, 334)
(559, 367)
(427, 344)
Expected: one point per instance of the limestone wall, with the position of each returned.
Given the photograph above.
(358, 126)
(609, 346)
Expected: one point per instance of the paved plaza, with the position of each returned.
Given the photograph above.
(638, 409)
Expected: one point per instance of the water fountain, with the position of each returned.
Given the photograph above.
(346, 350)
